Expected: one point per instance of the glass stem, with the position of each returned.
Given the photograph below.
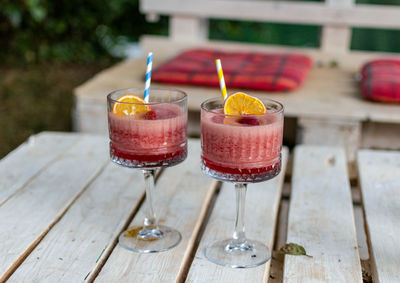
(150, 220)
(239, 237)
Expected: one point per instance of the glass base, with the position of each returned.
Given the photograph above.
(155, 240)
(250, 254)
(143, 162)
(235, 175)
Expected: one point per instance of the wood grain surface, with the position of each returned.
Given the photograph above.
(32, 211)
(379, 174)
(321, 218)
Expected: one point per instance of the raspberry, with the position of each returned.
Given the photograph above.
(249, 121)
(150, 115)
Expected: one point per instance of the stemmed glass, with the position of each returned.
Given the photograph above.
(241, 149)
(148, 140)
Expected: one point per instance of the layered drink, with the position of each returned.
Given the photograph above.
(156, 138)
(241, 148)
(148, 131)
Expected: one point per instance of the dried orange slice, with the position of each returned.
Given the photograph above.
(125, 108)
(243, 104)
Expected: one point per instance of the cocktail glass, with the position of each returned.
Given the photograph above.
(240, 149)
(148, 141)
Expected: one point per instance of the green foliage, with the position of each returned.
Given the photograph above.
(68, 30)
(37, 98)
(305, 35)
(85, 31)
(267, 33)
(379, 2)
(375, 40)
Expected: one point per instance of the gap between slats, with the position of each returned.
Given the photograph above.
(198, 231)
(368, 265)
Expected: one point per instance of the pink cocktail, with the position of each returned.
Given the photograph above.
(148, 135)
(240, 149)
(154, 139)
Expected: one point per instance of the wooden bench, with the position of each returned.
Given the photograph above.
(60, 221)
(327, 110)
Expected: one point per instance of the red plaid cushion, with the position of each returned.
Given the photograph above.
(381, 80)
(271, 72)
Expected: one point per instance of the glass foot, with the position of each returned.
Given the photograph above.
(155, 240)
(250, 254)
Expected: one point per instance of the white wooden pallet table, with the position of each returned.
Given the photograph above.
(63, 205)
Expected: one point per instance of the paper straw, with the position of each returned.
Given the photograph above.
(221, 79)
(148, 77)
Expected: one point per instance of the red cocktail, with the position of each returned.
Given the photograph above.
(147, 136)
(153, 139)
(241, 149)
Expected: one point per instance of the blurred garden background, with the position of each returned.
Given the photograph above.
(47, 48)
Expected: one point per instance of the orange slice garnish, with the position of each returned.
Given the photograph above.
(130, 109)
(243, 104)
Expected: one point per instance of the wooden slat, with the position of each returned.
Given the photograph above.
(381, 136)
(379, 173)
(361, 233)
(280, 11)
(87, 231)
(336, 39)
(22, 164)
(262, 204)
(188, 28)
(183, 194)
(33, 210)
(321, 218)
(336, 132)
(281, 231)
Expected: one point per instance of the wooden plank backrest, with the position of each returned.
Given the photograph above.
(189, 18)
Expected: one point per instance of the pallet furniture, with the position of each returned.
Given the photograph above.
(63, 205)
(327, 110)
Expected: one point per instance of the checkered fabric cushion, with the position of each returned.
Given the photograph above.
(259, 71)
(381, 80)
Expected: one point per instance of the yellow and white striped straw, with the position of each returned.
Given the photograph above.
(221, 79)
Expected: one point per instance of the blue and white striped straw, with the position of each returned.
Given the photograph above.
(148, 77)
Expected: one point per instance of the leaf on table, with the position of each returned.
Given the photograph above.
(293, 249)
